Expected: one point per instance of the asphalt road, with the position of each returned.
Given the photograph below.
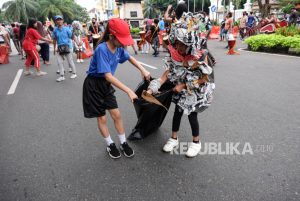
(49, 151)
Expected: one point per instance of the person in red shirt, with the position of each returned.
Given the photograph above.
(29, 46)
(16, 30)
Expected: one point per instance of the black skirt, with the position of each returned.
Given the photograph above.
(97, 97)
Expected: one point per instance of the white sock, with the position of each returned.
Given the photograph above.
(108, 140)
(122, 138)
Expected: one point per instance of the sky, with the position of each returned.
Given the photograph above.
(88, 4)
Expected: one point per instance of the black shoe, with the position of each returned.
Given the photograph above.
(126, 149)
(135, 52)
(113, 151)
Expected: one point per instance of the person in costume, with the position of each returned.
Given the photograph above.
(186, 68)
(79, 46)
(98, 93)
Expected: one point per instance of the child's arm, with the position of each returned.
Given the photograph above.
(156, 84)
(166, 15)
(110, 78)
(144, 72)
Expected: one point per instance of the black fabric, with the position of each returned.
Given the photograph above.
(193, 119)
(63, 49)
(150, 116)
(97, 97)
(44, 51)
(95, 43)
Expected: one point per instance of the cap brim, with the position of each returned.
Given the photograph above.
(125, 40)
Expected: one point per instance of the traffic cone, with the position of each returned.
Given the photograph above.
(4, 54)
(231, 46)
(88, 50)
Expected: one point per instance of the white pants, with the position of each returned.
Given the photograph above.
(60, 61)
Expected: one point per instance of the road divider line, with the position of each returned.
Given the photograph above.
(14, 85)
(149, 66)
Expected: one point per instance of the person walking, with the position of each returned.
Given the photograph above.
(251, 20)
(161, 25)
(98, 93)
(78, 43)
(44, 45)
(62, 36)
(94, 31)
(16, 36)
(30, 45)
(22, 33)
(293, 17)
(243, 25)
(154, 34)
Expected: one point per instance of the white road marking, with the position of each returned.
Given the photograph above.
(149, 66)
(14, 85)
(280, 55)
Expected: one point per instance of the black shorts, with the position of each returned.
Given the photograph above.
(98, 96)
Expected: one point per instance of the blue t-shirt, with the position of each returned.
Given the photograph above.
(251, 21)
(161, 25)
(62, 36)
(104, 61)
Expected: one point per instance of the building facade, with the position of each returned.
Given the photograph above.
(132, 11)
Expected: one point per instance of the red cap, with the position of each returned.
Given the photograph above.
(120, 29)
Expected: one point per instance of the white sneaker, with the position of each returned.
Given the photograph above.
(73, 76)
(146, 52)
(170, 145)
(78, 60)
(27, 72)
(41, 73)
(81, 60)
(193, 150)
(61, 78)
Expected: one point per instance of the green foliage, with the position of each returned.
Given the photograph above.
(273, 40)
(236, 23)
(135, 30)
(288, 31)
(287, 8)
(21, 10)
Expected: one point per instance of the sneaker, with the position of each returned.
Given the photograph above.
(146, 52)
(61, 78)
(41, 73)
(193, 150)
(127, 150)
(170, 145)
(113, 151)
(81, 60)
(27, 72)
(78, 60)
(70, 70)
(73, 76)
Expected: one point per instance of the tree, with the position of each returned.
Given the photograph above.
(264, 7)
(287, 5)
(20, 10)
(51, 8)
(149, 10)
